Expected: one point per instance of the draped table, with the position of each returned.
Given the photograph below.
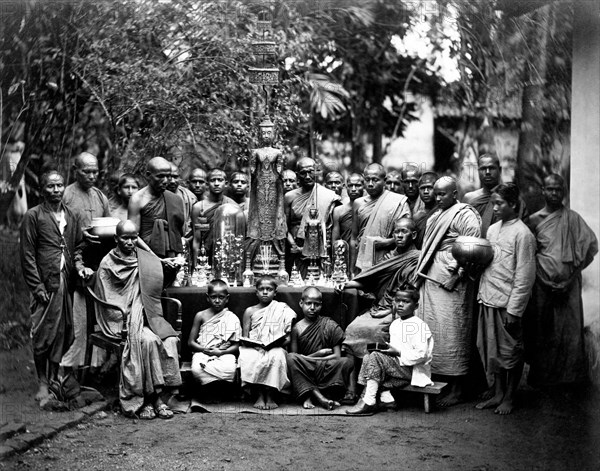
(341, 307)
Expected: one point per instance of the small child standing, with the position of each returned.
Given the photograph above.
(504, 291)
(407, 360)
(265, 369)
(214, 338)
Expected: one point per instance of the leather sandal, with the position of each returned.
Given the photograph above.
(163, 412)
(147, 412)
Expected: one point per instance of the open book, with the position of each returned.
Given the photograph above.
(247, 342)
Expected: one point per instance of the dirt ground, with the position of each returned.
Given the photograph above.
(552, 430)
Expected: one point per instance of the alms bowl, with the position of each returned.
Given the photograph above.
(104, 227)
(474, 250)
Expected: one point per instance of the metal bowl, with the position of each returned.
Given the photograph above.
(104, 227)
(474, 250)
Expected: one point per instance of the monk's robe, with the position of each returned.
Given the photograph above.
(415, 205)
(162, 223)
(267, 367)
(207, 219)
(188, 199)
(504, 288)
(309, 373)
(555, 351)
(421, 217)
(481, 201)
(50, 251)
(150, 358)
(377, 219)
(217, 332)
(448, 313)
(345, 222)
(382, 280)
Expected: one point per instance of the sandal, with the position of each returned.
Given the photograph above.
(147, 412)
(349, 399)
(163, 412)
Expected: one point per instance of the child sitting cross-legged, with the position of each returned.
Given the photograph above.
(407, 359)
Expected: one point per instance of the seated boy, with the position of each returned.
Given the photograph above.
(315, 363)
(406, 360)
(214, 338)
(266, 322)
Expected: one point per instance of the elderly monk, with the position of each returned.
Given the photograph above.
(565, 246)
(131, 278)
(394, 269)
(446, 298)
(290, 181)
(297, 204)
(335, 182)
(197, 182)
(87, 200)
(186, 196)
(373, 218)
(203, 212)
(427, 197)
(50, 249)
(393, 182)
(488, 168)
(342, 215)
(315, 362)
(410, 183)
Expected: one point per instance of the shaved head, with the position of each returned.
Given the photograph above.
(126, 226)
(411, 171)
(554, 178)
(85, 158)
(446, 183)
(375, 169)
(409, 223)
(428, 177)
(311, 291)
(158, 163)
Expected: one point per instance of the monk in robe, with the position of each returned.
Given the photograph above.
(395, 268)
(197, 182)
(132, 279)
(410, 184)
(238, 189)
(214, 338)
(446, 291)
(565, 246)
(373, 219)
(160, 217)
(297, 204)
(393, 182)
(290, 182)
(488, 168)
(203, 213)
(186, 196)
(315, 361)
(265, 368)
(342, 215)
(84, 198)
(50, 250)
(427, 197)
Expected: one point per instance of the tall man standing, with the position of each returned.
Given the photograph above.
(197, 182)
(373, 219)
(447, 301)
(297, 204)
(186, 195)
(427, 197)
(410, 182)
(84, 198)
(50, 236)
(566, 245)
(342, 215)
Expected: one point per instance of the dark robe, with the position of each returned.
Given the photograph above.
(162, 224)
(307, 373)
(421, 218)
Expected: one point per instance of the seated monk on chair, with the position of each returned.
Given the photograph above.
(132, 278)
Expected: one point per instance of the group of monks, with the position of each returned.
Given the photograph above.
(400, 228)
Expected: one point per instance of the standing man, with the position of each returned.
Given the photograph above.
(373, 219)
(159, 215)
(447, 302)
(239, 190)
(197, 182)
(427, 197)
(410, 182)
(186, 195)
(565, 246)
(50, 237)
(297, 204)
(488, 167)
(84, 198)
(342, 215)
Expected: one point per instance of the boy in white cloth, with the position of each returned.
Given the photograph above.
(406, 360)
(265, 369)
(214, 338)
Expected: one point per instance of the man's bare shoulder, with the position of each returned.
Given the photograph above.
(206, 314)
(292, 195)
(471, 195)
(251, 310)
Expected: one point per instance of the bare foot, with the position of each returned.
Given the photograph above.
(449, 400)
(43, 392)
(260, 403)
(308, 404)
(505, 407)
(271, 404)
(487, 394)
(328, 404)
(492, 402)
